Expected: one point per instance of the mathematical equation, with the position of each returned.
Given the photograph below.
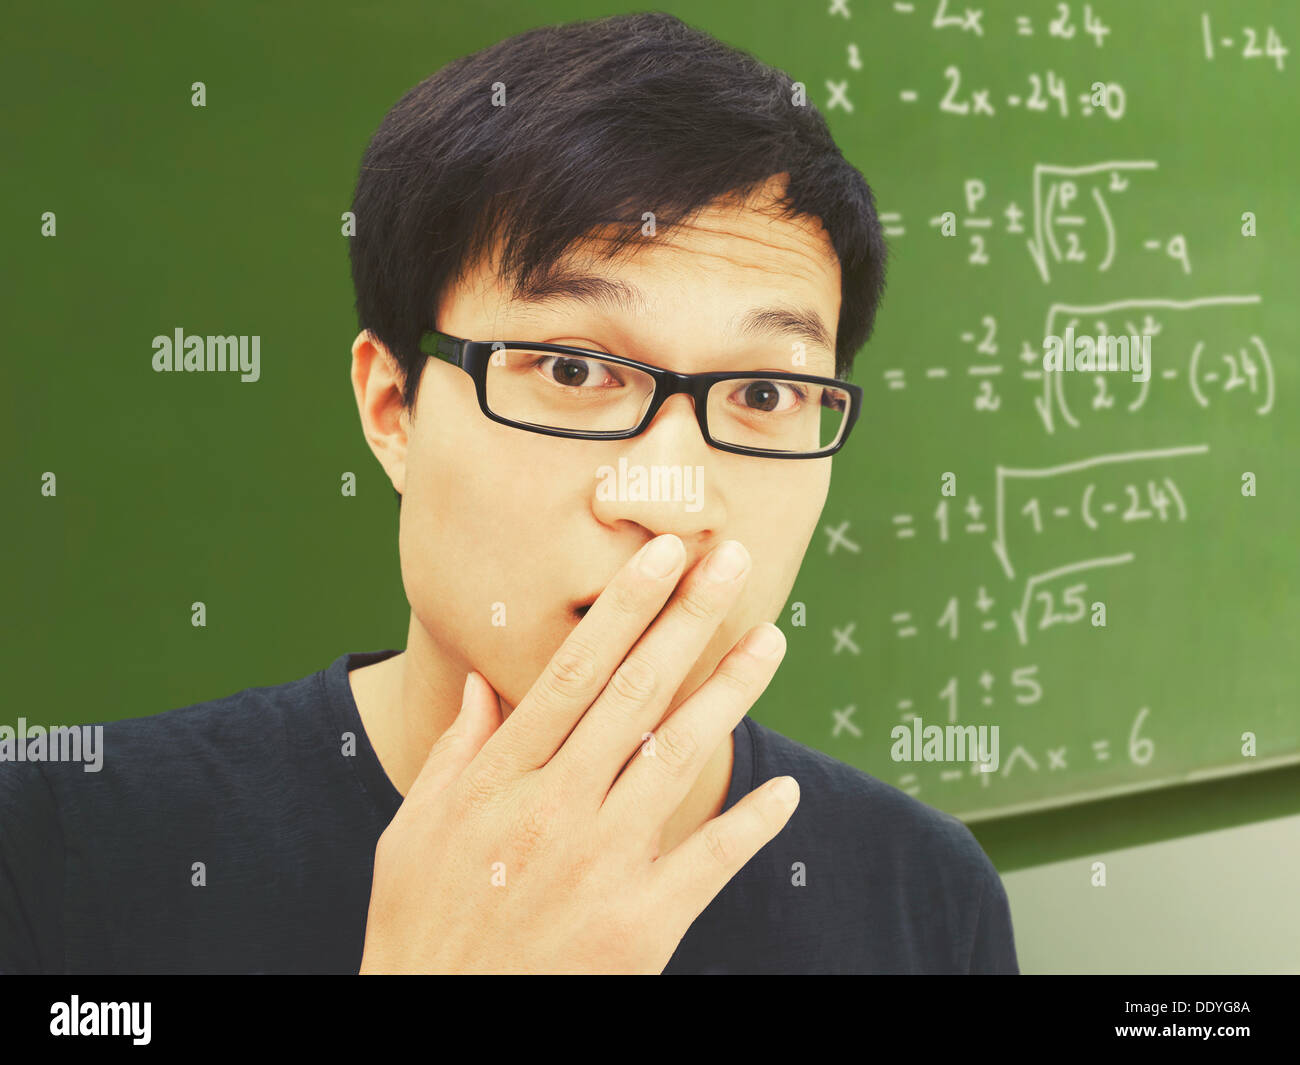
(1068, 228)
(971, 20)
(1140, 750)
(1211, 371)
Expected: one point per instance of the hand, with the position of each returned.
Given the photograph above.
(533, 845)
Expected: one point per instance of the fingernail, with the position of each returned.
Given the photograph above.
(785, 789)
(727, 562)
(660, 556)
(765, 642)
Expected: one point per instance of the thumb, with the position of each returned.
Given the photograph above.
(479, 717)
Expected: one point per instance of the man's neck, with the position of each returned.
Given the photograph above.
(406, 703)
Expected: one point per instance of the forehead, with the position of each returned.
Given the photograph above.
(743, 244)
(736, 269)
(751, 236)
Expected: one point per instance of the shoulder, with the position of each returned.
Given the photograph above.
(100, 823)
(207, 719)
(157, 764)
(909, 886)
(857, 809)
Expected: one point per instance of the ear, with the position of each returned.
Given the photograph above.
(377, 385)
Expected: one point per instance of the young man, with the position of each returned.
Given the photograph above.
(557, 774)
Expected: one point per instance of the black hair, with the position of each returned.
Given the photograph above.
(603, 120)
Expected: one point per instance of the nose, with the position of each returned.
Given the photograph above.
(660, 479)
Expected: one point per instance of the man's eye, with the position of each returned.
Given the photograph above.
(573, 372)
(768, 396)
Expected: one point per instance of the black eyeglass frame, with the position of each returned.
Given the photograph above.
(473, 356)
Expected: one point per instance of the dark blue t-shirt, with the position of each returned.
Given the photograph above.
(98, 870)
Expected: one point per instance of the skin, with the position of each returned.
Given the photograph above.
(492, 514)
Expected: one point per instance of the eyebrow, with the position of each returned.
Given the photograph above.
(564, 284)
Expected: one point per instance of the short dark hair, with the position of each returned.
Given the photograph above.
(604, 119)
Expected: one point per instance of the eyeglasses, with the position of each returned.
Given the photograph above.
(592, 395)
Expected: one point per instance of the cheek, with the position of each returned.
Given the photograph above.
(446, 518)
(777, 530)
(782, 534)
(482, 544)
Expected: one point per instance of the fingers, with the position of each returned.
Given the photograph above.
(662, 772)
(583, 665)
(639, 692)
(479, 718)
(691, 875)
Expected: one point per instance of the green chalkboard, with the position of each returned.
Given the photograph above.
(1061, 167)
(1104, 193)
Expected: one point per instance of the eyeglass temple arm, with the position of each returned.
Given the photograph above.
(446, 347)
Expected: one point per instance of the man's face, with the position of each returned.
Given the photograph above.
(504, 532)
